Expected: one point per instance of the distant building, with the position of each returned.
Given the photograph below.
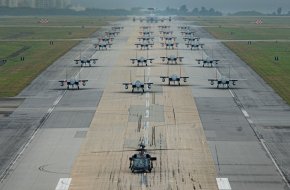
(45, 4)
(9, 3)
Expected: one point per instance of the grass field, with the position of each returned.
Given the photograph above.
(259, 55)
(15, 74)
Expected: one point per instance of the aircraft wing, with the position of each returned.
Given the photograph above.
(148, 83)
(198, 60)
(212, 79)
(94, 60)
(77, 61)
(163, 58)
(234, 80)
(150, 59)
(184, 77)
(62, 82)
(133, 60)
(127, 83)
(180, 58)
(164, 77)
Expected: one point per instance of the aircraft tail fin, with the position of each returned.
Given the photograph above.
(130, 76)
(136, 53)
(216, 73)
(229, 71)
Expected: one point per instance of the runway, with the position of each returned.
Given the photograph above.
(83, 138)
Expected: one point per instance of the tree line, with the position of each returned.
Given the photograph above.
(181, 11)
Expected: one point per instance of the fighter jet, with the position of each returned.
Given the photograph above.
(112, 33)
(85, 62)
(171, 59)
(166, 32)
(169, 45)
(73, 82)
(146, 38)
(106, 39)
(117, 28)
(103, 45)
(224, 80)
(146, 33)
(188, 32)
(194, 45)
(142, 60)
(174, 78)
(168, 38)
(207, 61)
(161, 27)
(184, 27)
(191, 39)
(152, 19)
(145, 27)
(144, 45)
(138, 85)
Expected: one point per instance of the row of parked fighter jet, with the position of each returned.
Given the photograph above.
(169, 42)
(103, 43)
(146, 39)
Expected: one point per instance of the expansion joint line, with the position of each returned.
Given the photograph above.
(259, 136)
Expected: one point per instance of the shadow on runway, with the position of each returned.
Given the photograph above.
(137, 92)
(175, 85)
(221, 88)
(141, 66)
(93, 66)
(75, 89)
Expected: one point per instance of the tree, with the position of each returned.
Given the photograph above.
(183, 10)
(279, 11)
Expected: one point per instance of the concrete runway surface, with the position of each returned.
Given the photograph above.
(69, 139)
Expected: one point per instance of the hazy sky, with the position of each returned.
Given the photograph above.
(222, 5)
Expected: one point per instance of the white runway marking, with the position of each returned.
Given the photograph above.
(223, 183)
(147, 103)
(245, 113)
(147, 114)
(63, 184)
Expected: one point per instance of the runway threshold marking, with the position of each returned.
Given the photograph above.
(63, 184)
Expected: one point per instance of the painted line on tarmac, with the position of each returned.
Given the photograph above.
(42, 121)
(63, 184)
(261, 140)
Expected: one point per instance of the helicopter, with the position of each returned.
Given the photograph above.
(141, 162)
